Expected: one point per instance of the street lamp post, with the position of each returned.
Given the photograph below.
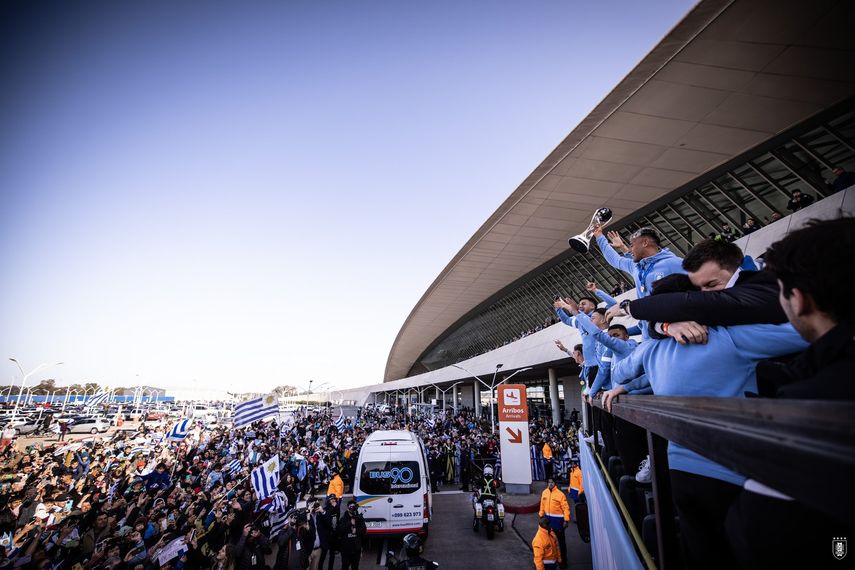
(492, 387)
(24, 381)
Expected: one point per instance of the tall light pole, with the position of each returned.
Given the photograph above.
(492, 387)
(24, 381)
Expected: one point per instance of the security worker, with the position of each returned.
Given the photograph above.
(547, 460)
(555, 509)
(545, 547)
(575, 489)
(489, 486)
(336, 486)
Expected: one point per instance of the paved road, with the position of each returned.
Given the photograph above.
(454, 545)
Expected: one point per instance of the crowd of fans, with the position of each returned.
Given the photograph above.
(128, 500)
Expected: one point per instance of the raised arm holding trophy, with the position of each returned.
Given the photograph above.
(582, 242)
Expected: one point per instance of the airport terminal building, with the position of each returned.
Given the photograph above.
(741, 104)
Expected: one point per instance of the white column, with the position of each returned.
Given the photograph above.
(438, 396)
(454, 398)
(553, 397)
(571, 397)
(476, 397)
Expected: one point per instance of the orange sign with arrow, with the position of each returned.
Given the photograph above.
(515, 435)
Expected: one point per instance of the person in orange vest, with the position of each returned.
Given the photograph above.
(575, 489)
(545, 547)
(336, 486)
(547, 460)
(555, 509)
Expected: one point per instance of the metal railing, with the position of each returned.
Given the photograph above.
(802, 448)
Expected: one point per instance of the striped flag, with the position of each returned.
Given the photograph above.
(265, 478)
(339, 423)
(97, 399)
(180, 429)
(255, 409)
(277, 502)
(233, 467)
(277, 522)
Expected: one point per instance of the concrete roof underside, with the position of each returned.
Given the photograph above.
(729, 76)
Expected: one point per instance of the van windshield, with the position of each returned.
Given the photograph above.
(389, 477)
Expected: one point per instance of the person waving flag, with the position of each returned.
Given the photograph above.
(179, 430)
(339, 423)
(265, 478)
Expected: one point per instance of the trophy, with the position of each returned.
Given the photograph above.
(581, 242)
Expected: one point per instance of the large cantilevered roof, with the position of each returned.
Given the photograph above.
(730, 75)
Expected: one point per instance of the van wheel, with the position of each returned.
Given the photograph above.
(93, 430)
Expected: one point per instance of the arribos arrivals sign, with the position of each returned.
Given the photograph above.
(513, 434)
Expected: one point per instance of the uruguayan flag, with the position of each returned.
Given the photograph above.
(339, 423)
(97, 399)
(255, 409)
(277, 502)
(265, 478)
(277, 522)
(180, 429)
(233, 467)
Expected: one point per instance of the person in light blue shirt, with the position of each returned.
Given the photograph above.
(649, 263)
(723, 367)
(585, 306)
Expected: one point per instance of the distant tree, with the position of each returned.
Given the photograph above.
(283, 391)
(44, 387)
(90, 386)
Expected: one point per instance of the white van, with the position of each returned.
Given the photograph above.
(393, 483)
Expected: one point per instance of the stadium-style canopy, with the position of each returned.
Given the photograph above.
(730, 75)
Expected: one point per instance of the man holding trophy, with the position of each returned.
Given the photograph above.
(646, 263)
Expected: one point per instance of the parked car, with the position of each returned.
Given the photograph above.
(24, 426)
(89, 425)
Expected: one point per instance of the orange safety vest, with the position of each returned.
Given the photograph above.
(545, 547)
(576, 481)
(336, 487)
(547, 452)
(554, 504)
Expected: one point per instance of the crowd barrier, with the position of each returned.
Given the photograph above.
(802, 448)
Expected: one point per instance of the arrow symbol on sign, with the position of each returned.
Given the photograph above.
(516, 436)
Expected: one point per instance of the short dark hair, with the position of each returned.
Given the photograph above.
(813, 261)
(726, 254)
(618, 327)
(578, 348)
(674, 283)
(591, 299)
(600, 311)
(646, 232)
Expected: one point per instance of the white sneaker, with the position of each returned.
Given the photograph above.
(643, 475)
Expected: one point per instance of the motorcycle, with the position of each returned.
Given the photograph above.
(490, 513)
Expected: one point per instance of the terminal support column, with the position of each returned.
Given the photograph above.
(454, 398)
(476, 396)
(553, 397)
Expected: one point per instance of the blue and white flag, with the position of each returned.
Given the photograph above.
(277, 502)
(339, 423)
(97, 399)
(233, 467)
(265, 478)
(180, 429)
(277, 522)
(255, 409)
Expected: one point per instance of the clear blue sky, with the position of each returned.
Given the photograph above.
(254, 194)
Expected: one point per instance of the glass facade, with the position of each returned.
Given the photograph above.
(757, 185)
